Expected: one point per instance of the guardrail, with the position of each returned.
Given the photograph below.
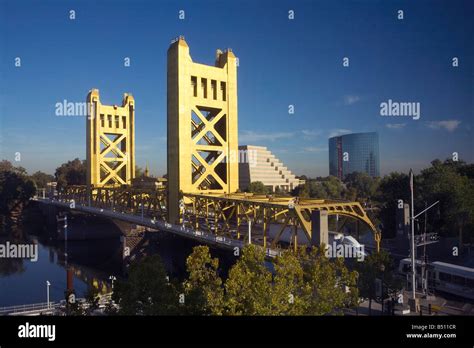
(43, 306)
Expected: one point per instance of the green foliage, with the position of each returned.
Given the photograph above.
(328, 285)
(287, 291)
(41, 179)
(249, 288)
(299, 284)
(448, 182)
(147, 290)
(361, 186)
(15, 187)
(7, 166)
(258, 187)
(326, 188)
(392, 188)
(203, 288)
(371, 269)
(71, 173)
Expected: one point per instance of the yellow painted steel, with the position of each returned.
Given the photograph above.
(202, 160)
(286, 211)
(224, 214)
(110, 142)
(202, 125)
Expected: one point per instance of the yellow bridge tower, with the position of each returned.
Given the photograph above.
(110, 142)
(202, 125)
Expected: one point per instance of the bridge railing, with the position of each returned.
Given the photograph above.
(29, 308)
(222, 214)
(136, 201)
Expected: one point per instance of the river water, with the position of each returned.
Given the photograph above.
(92, 262)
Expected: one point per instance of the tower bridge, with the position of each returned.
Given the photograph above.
(201, 198)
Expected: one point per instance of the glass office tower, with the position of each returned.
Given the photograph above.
(357, 152)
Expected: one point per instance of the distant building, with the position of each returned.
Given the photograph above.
(357, 152)
(147, 182)
(257, 163)
(51, 189)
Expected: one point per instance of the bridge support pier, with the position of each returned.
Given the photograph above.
(319, 227)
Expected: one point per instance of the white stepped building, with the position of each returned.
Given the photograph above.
(260, 164)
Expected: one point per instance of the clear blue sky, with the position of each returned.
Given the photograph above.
(282, 62)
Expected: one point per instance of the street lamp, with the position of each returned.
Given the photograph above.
(112, 278)
(48, 284)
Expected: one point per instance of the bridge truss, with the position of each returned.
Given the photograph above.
(226, 214)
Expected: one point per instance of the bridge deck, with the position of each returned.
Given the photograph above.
(198, 235)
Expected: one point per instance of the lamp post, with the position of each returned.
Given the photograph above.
(250, 231)
(113, 279)
(48, 284)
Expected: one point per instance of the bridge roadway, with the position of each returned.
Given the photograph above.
(33, 309)
(157, 225)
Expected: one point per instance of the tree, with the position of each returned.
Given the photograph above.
(71, 173)
(15, 189)
(328, 285)
(7, 166)
(449, 183)
(257, 187)
(316, 189)
(288, 282)
(139, 171)
(203, 287)
(248, 287)
(41, 179)
(361, 186)
(392, 188)
(371, 269)
(322, 188)
(334, 187)
(147, 290)
(305, 283)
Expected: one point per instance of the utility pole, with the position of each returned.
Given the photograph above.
(424, 278)
(412, 301)
(413, 267)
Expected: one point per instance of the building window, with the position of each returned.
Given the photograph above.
(194, 85)
(223, 90)
(102, 120)
(204, 87)
(214, 89)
